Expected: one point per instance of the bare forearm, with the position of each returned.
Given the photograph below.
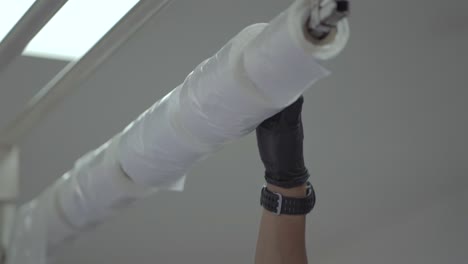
(281, 238)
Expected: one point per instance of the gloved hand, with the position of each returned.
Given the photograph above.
(280, 143)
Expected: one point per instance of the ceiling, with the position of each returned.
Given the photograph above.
(385, 139)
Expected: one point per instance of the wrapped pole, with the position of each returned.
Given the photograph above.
(256, 74)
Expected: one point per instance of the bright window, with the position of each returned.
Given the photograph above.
(72, 31)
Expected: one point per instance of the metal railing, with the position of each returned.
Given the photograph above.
(26, 29)
(67, 80)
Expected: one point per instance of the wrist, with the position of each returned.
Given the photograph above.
(298, 200)
(294, 192)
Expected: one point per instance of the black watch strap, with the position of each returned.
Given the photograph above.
(279, 204)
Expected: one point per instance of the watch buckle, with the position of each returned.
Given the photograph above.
(280, 203)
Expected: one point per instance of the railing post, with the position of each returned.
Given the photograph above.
(9, 174)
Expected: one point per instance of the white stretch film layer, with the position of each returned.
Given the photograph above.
(259, 72)
(29, 240)
(95, 188)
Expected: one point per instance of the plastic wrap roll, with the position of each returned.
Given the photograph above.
(255, 75)
(259, 72)
(282, 60)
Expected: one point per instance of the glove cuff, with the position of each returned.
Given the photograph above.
(288, 183)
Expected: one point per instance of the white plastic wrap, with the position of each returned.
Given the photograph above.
(263, 69)
(259, 72)
(92, 190)
(29, 241)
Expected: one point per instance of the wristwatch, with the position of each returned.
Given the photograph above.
(279, 204)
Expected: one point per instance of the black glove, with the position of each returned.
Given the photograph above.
(280, 143)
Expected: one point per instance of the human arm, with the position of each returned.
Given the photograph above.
(281, 237)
